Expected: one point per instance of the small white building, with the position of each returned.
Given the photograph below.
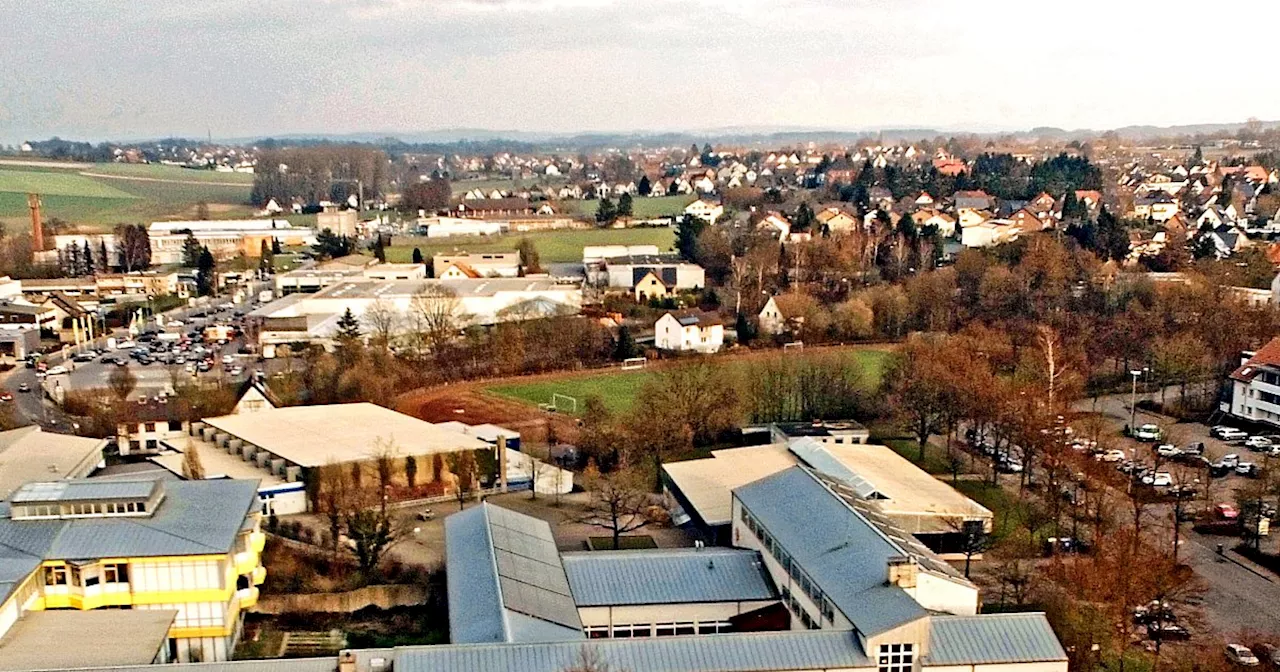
(695, 332)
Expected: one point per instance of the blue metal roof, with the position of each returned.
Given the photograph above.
(991, 639)
(505, 580)
(195, 518)
(755, 652)
(815, 455)
(840, 550)
(668, 576)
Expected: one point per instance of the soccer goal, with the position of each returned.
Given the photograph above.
(564, 402)
(634, 363)
(794, 345)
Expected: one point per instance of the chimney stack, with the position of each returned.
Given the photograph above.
(37, 226)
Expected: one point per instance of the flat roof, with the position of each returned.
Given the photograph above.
(312, 436)
(916, 500)
(43, 640)
(667, 576)
(30, 454)
(218, 463)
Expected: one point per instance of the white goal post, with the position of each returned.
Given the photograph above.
(795, 345)
(558, 399)
(634, 363)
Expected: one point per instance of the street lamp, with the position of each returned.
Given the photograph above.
(1133, 398)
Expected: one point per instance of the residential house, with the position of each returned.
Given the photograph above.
(705, 209)
(689, 331)
(974, 200)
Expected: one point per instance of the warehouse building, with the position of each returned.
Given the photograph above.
(932, 511)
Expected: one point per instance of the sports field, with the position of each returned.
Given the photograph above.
(619, 389)
(99, 196)
(553, 246)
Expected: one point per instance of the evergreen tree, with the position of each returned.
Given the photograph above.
(624, 205)
(417, 256)
(687, 237)
(606, 212)
(191, 251)
(645, 187)
(746, 333)
(625, 346)
(206, 273)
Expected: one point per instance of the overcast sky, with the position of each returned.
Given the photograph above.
(99, 69)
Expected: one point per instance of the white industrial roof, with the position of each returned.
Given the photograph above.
(312, 436)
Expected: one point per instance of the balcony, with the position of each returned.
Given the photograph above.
(247, 597)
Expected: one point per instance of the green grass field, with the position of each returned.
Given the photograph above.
(97, 203)
(642, 207)
(157, 171)
(619, 389)
(553, 246)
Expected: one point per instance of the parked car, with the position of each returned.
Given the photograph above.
(1257, 443)
(1231, 435)
(1241, 655)
(1147, 432)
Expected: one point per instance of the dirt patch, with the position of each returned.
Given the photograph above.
(468, 403)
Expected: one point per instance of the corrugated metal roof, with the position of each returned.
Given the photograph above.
(755, 652)
(840, 550)
(992, 638)
(195, 518)
(502, 565)
(670, 576)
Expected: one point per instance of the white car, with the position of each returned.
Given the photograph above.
(1232, 434)
(56, 371)
(1160, 479)
(1259, 443)
(1241, 655)
(1113, 455)
(1147, 432)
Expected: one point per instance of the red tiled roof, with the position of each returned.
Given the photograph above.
(1268, 355)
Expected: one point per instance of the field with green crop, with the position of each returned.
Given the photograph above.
(619, 389)
(137, 194)
(642, 207)
(553, 246)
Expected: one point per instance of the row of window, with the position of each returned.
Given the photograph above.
(657, 629)
(86, 577)
(799, 578)
(896, 658)
(83, 509)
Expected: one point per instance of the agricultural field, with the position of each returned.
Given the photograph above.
(97, 197)
(619, 389)
(553, 246)
(642, 207)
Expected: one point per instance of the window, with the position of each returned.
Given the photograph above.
(115, 573)
(55, 576)
(896, 657)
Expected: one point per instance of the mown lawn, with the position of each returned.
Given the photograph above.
(619, 389)
(553, 246)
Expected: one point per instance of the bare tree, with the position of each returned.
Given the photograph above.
(619, 503)
(192, 468)
(383, 321)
